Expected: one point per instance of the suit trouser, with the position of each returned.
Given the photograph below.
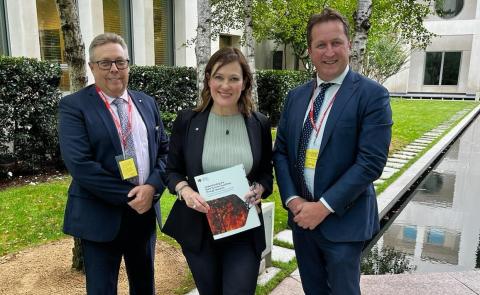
(228, 266)
(136, 243)
(327, 267)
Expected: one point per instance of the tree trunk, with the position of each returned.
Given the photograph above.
(250, 47)
(202, 46)
(75, 57)
(362, 26)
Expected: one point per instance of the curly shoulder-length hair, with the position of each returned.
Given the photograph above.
(222, 57)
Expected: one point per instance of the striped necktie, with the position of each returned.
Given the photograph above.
(305, 138)
(129, 148)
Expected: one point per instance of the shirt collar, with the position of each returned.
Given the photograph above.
(110, 99)
(338, 80)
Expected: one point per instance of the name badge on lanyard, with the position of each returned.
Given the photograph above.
(126, 164)
(311, 156)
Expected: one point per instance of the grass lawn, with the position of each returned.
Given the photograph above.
(33, 214)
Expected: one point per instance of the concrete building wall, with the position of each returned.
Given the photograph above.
(142, 32)
(460, 33)
(23, 28)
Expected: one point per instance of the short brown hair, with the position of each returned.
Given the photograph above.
(222, 57)
(326, 15)
(103, 39)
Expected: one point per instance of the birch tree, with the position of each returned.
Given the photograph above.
(202, 44)
(361, 19)
(75, 57)
(74, 46)
(250, 47)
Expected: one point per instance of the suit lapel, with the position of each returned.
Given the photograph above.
(196, 138)
(344, 94)
(255, 138)
(97, 102)
(299, 110)
(146, 117)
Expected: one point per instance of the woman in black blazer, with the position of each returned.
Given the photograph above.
(221, 132)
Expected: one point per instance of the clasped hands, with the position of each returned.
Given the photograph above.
(195, 201)
(143, 198)
(308, 215)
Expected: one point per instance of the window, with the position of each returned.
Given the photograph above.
(116, 19)
(442, 68)
(277, 63)
(229, 41)
(3, 30)
(52, 46)
(225, 41)
(162, 31)
(448, 8)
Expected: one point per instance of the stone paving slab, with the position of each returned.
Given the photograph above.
(285, 236)
(402, 156)
(464, 283)
(397, 160)
(289, 286)
(421, 284)
(406, 153)
(394, 165)
(282, 254)
(469, 278)
(267, 275)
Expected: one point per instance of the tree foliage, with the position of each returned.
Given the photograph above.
(285, 21)
(385, 57)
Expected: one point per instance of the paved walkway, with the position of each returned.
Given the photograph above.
(464, 283)
(425, 284)
(432, 283)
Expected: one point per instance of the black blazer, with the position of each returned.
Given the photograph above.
(190, 227)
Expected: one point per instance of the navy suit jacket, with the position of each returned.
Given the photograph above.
(352, 155)
(190, 227)
(89, 143)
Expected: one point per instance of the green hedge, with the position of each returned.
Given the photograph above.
(175, 88)
(273, 87)
(28, 105)
(29, 96)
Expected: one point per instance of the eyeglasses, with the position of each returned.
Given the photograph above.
(121, 64)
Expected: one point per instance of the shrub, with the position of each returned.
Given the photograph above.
(174, 88)
(273, 87)
(28, 104)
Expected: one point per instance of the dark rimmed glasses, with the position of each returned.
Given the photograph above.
(121, 64)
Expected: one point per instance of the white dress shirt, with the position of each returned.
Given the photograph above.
(140, 138)
(316, 139)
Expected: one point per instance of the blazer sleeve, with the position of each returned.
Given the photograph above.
(77, 154)
(176, 168)
(285, 182)
(157, 175)
(373, 142)
(265, 175)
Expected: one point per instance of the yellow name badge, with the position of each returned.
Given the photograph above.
(127, 167)
(311, 157)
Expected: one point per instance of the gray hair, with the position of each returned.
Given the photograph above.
(106, 38)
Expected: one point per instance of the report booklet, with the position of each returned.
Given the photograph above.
(224, 191)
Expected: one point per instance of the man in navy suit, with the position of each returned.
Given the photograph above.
(114, 146)
(332, 143)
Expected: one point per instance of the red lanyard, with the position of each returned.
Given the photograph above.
(310, 114)
(123, 137)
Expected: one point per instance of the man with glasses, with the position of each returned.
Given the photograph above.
(114, 146)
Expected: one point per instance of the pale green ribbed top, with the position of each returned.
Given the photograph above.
(222, 150)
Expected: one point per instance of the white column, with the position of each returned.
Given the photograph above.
(91, 24)
(142, 32)
(473, 80)
(23, 28)
(417, 256)
(185, 30)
